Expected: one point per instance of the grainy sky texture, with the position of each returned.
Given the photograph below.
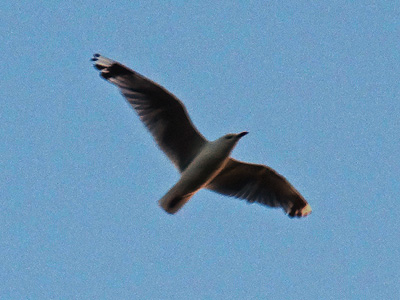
(315, 84)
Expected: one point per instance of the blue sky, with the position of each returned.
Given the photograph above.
(315, 84)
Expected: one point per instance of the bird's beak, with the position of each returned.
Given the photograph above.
(242, 134)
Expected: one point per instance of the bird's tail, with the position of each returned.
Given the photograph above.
(173, 200)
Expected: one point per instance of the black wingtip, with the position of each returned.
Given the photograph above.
(297, 212)
(95, 57)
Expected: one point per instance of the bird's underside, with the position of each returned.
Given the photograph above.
(167, 120)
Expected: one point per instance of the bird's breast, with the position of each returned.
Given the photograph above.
(206, 165)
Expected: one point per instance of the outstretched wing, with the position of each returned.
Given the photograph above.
(162, 113)
(259, 183)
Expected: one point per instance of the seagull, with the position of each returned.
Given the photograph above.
(201, 163)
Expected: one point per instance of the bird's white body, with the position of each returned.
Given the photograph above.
(211, 159)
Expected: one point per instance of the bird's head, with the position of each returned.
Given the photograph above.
(234, 137)
(229, 141)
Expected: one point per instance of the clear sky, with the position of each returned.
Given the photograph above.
(315, 84)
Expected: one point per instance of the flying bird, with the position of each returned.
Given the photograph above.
(201, 163)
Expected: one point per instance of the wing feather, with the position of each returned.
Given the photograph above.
(259, 183)
(161, 112)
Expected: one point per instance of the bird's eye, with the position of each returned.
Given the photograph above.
(228, 137)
